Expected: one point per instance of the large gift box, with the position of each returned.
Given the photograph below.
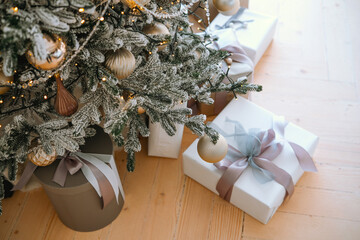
(254, 192)
(254, 31)
(92, 197)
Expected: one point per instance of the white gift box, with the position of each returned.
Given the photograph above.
(255, 37)
(256, 198)
(160, 144)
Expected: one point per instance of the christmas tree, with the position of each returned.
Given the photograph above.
(69, 64)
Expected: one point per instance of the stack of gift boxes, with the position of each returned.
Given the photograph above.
(252, 32)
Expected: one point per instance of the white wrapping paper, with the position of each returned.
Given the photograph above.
(256, 37)
(160, 144)
(257, 199)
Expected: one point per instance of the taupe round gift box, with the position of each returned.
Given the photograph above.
(77, 203)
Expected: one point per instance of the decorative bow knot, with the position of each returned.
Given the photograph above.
(99, 175)
(96, 171)
(258, 149)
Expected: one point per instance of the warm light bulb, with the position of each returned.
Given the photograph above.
(150, 53)
(15, 9)
(103, 79)
(1, 101)
(82, 21)
(81, 9)
(13, 97)
(101, 19)
(45, 97)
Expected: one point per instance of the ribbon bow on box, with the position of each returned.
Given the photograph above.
(258, 149)
(102, 177)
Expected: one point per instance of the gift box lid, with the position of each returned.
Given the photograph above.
(100, 144)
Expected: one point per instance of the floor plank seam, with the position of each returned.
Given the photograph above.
(319, 216)
(178, 213)
(48, 225)
(19, 215)
(339, 166)
(211, 215)
(150, 197)
(325, 189)
(243, 224)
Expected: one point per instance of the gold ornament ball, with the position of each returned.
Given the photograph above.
(3, 81)
(40, 158)
(156, 29)
(121, 62)
(227, 7)
(56, 51)
(210, 152)
(141, 110)
(132, 4)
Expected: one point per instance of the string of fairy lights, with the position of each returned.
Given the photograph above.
(158, 13)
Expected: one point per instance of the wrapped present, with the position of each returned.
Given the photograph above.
(253, 31)
(266, 157)
(160, 144)
(84, 187)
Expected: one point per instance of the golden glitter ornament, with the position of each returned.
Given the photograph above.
(121, 62)
(210, 152)
(141, 110)
(3, 81)
(133, 4)
(38, 157)
(56, 51)
(156, 29)
(227, 7)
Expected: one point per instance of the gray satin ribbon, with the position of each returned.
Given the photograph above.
(258, 149)
(72, 164)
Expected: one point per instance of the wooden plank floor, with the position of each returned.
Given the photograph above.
(311, 75)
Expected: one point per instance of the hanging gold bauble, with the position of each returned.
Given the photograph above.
(65, 103)
(141, 110)
(210, 152)
(156, 29)
(56, 51)
(3, 81)
(38, 157)
(132, 3)
(227, 7)
(121, 62)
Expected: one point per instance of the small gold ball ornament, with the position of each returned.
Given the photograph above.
(121, 62)
(133, 4)
(3, 81)
(56, 51)
(38, 157)
(210, 152)
(227, 7)
(141, 110)
(156, 29)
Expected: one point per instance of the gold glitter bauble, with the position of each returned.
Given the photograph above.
(38, 157)
(56, 51)
(227, 7)
(141, 110)
(121, 62)
(156, 29)
(132, 4)
(3, 81)
(210, 152)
